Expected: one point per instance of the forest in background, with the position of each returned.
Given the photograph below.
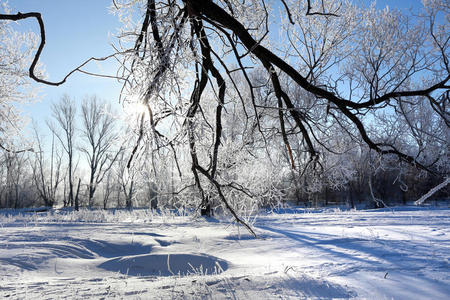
(258, 172)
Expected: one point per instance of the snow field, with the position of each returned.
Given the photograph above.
(300, 254)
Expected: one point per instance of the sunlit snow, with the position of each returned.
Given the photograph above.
(299, 254)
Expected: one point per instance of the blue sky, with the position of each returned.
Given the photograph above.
(75, 31)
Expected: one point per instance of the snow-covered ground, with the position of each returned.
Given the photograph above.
(374, 254)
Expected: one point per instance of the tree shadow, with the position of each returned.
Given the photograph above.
(166, 265)
(375, 254)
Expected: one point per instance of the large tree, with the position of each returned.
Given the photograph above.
(338, 65)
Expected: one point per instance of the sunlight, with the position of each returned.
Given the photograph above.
(134, 107)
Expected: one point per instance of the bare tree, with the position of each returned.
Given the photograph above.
(107, 188)
(99, 132)
(64, 113)
(47, 178)
(126, 179)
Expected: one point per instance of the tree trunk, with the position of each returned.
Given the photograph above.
(130, 196)
(205, 210)
(76, 196)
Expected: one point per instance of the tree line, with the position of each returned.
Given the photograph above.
(86, 159)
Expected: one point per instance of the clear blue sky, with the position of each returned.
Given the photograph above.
(77, 30)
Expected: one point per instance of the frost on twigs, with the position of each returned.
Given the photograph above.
(432, 191)
(16, 54)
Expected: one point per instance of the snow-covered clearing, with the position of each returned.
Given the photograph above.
(375, 254)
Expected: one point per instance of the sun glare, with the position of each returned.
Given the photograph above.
(135, 108)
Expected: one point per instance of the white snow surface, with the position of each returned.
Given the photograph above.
(299, 254)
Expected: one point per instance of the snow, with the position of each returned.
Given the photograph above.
(300, 254)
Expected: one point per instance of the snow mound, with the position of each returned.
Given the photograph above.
(166, 265)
